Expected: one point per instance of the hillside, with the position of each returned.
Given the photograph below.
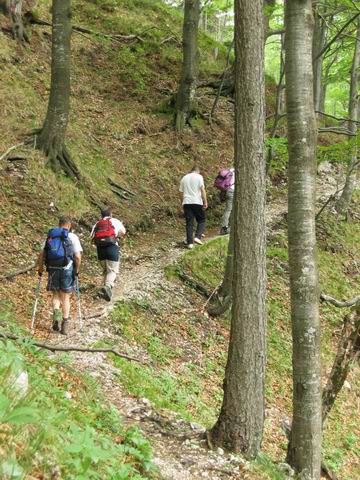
(95, 415)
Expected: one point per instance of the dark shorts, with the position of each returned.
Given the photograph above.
(61, 280)
(110, 252)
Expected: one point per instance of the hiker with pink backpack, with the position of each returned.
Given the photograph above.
(225, 182)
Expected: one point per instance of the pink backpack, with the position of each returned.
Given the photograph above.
(224, 180)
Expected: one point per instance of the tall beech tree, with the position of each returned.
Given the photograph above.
(190, 65)
(240, 423)
(51, 137)
(304, 452)
(354, 106)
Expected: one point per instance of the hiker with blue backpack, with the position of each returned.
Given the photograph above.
(61, 254)
(225, 182)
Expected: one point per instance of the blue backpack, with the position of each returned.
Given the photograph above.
(58, 249)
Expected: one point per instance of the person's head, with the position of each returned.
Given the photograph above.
(65, 222)
(195, 169)
(106, 212)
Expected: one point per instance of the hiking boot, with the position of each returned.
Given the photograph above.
(189, 246)
(198, 241)
(57, 319)
(224, 230)
(107, 293)
(65, 327)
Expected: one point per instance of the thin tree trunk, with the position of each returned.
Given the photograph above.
(304, 452)
(319, 41)
(13, 9)
(350, 183)
(348, 351)
(189, 71)
(52, 135)
(240, 424)
(223, 298)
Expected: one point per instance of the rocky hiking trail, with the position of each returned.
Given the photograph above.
(180, 448)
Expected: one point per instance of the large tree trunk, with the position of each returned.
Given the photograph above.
(240, 424)
(304, 452)
(350, 183)
(189, 71)
(52, 135)
(13, 9)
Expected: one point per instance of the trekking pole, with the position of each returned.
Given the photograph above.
(79, 303)
(37, 296)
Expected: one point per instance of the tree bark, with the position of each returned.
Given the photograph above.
(13, 9)
(240, 424)
(51, 138)
(344, 201)
(304, 452)
(189, 72)
(319, 41)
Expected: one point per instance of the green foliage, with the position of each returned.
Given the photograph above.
(61, 424)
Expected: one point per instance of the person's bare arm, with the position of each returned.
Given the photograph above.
(77, 262)
(40, 265)
(204, 197)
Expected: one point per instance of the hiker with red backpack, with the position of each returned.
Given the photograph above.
(105, 234)
(61, 254)
(225, 182)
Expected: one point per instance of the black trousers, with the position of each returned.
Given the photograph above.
(192, 211)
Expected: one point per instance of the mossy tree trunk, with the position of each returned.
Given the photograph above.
(344, 201)
(304, 451)
(240, 424)
(189, 71)
(51, 138)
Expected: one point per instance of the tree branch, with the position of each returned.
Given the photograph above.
(72, 348)
(335, 37)
(10, 150)
(348, 303)
(340, 119)
(9, 276)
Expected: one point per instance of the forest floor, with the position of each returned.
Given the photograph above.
(179, 448)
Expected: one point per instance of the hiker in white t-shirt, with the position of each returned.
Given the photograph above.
(105, 234)
(194, 201)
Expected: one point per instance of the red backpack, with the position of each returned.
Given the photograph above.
(104, 233)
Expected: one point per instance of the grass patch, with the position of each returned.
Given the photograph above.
(61, 426)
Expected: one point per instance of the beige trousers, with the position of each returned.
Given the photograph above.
(110, 270)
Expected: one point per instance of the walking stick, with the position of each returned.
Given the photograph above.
(37, 296)
(79, 303)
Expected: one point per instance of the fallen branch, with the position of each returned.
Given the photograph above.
(338, 131)
(10, 150)
(119, 187)
(73, 348)
(193, 284)
(76, 28)
(9, 276)
(349, 303)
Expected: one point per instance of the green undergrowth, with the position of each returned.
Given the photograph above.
(61, 426)
(192, 386)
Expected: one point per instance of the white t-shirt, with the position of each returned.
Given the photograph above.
(190, 186)
(118, 227)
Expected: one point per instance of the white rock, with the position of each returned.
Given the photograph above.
(220, 451)
(21, 384)
(347, 385)
(325, 168)
(68, 395)
(145, 401)
(287, 470)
